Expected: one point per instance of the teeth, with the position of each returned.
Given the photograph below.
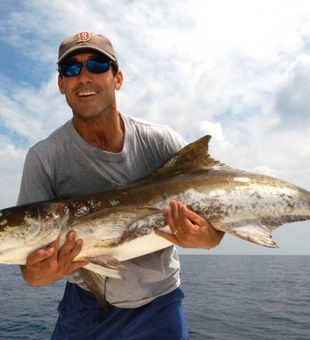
(82, 94)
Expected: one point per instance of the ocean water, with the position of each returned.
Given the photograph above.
(247, 297)
(227, 297)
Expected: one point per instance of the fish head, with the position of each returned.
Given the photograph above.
(32, 225)
(41, 211)
(15, 216)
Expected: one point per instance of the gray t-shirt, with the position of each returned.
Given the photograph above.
(63, 165)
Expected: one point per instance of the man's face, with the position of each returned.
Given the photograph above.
(90, 95)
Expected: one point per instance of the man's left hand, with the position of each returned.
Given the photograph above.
(189, 230)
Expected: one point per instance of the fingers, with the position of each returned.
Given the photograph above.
(54, 252)
(193, 216)
(67, 247)
(39, 256)
(187, 228)
(176, 218)
(54, 248)
(69, 251)
(44, 253)
(180, 219)
(170, 219)
(76, 265)
(50, 264)
(76, 249)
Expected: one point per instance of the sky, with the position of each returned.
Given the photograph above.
(237, 70)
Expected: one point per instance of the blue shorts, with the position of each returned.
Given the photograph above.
(81, 317)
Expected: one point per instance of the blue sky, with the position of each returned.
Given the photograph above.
(238, 70)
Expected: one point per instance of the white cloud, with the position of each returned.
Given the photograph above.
(292, 101)
(237, 70)
(32, 112)
(12, 159)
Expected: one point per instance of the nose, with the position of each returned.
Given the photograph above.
(84, 76)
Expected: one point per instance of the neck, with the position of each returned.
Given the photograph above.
(106, 133)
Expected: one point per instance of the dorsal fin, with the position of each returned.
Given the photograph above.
(192, 157)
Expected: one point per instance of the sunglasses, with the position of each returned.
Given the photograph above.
(73, 68)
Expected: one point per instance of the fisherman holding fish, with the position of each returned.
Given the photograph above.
(101, 149)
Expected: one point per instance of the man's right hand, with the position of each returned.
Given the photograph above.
(45, 266)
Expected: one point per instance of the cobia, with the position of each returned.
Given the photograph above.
(119, 225)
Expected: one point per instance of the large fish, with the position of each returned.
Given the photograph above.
(119, 225)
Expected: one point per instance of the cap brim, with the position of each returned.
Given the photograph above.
(85, 48)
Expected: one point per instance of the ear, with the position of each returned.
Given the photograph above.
(118, 80)
(61, 84)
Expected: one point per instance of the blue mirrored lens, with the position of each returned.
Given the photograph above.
(73, 68)
(96, 66)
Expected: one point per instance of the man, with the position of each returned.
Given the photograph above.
(101, 149)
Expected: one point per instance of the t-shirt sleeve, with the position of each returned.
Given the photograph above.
(36, 184)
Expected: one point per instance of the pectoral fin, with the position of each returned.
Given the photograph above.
(96, 272)
(96, 284)
(107, 261)
(259, 233)
(104, 271)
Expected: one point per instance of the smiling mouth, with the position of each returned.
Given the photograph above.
(86, 94)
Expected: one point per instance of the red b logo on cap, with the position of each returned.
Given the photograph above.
(83, 36)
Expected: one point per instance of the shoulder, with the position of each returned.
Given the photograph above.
(50, 144)
(155, 133)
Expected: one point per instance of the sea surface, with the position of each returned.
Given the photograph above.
(227, 297)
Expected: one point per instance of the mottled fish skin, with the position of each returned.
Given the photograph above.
(230, 199)
(120, 224)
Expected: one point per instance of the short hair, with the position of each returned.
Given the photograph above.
(114, 66)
